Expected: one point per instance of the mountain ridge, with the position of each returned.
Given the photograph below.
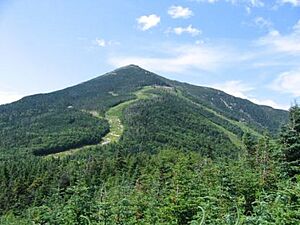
(224, 116)
(140, 68)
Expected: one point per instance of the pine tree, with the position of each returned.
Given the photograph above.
(250, 144)
(290, 140)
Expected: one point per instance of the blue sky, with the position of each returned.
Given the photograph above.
(248, 48)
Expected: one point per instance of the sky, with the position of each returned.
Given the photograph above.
(247, 48)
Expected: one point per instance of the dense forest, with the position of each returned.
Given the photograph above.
(50, 132)
(110, 185)
(187, 155)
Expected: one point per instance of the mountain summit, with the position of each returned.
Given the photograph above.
(150, 112)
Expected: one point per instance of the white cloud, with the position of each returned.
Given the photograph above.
(199, 42)
(289, 43)
(179, 59)
(292, 2)
(100, 42)
(288, 82)
(234, 87)
(256, 3)
(269, 102)
(147, 22)
(262, 22)
(239, 89)
(189, 30)
(104, 43)
(180, 12)
(8, 97)
(296, 27)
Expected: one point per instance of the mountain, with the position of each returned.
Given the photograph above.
(150, 112)
(131, 147)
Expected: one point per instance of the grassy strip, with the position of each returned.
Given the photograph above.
(113, 115)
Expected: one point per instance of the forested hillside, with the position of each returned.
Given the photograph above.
(197, 117)
(110, 185)
(132, 147)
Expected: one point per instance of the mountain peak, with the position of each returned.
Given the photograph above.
(130, 66)
(133, 66)
(132, 71)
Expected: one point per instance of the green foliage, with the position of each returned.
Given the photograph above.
(51, 132)
(250, 144)
(176, 162)
(168, 120)
(110, 186)
(290, 139)
(255, 116)
(55, 122)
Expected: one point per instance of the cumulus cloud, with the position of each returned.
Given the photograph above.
(288, 82)
(179, 12)
(147, 22)
(288, 43)
(181, 30)
(292, 2)
(8, 97)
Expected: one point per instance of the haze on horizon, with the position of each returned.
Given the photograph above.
(247, 48)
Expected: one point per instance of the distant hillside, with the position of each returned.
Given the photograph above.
(169, 113)
(257, 116)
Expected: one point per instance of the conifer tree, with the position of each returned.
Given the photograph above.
(250, 144)
(290, 140)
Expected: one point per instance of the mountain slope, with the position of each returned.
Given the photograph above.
(260, 117)
(174, 114)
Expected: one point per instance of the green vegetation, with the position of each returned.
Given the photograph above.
(290, 139)
(109, 185)
(141, 149)
(168, 120)
(50, 132)
(43, 123)
(257, 117)
(114, 115)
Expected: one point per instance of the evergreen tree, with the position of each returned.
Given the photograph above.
(290, 140)
(250, 144)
